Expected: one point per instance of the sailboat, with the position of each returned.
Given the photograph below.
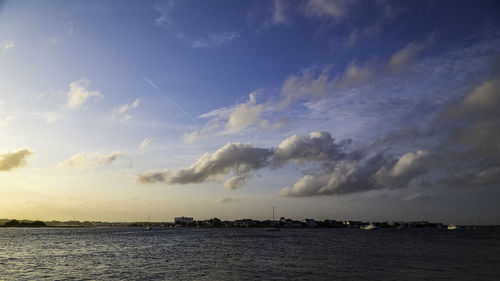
(370, 226)
(148, 227)
(273, 227)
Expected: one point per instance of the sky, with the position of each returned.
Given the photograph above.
(329, 109)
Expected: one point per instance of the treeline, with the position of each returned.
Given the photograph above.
(16, 223)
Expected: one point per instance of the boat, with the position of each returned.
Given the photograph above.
(370, 226)
(148, 226)
(451, 227)
(273, 227)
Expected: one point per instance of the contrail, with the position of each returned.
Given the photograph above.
(168, 98)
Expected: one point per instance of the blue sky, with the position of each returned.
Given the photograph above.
(373, 110)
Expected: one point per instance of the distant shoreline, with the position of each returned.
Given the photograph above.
(243, 223)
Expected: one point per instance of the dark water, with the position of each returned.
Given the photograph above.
(248, 254)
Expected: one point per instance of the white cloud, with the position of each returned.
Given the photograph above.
(318, 146)
(79, 94)
(91, 159)
(126, 107)
(244, 115)
(235, 119)
(408, 167)
(7, 45)
(122, 110)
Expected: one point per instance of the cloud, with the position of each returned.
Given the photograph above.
(145, 143)
(417, 197)
(69, 26)
(79, 94)
(470, 151)
(15, 159)
(304, 85)
(51, 117)
(126, 107)
(337, 10)
(235, 119)
(408, 54)
(482, 101)
(337, 178)
(485, 177)
(5, 120)
(92, 159)
(279, 13)
(352, 38)
(341, 171)
(245, 115)
(229, 200)
(165, 8)
(318, 146)
(359, 175)
(408, 167)
(309, 85)
(240, 159)
(122, 110)
(6, 45)
(212, 41)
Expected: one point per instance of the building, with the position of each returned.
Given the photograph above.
(183, 220)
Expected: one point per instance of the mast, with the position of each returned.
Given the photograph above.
(273, 213)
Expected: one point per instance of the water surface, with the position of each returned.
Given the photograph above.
(248, 254)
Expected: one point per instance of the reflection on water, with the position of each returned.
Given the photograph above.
(248, 254)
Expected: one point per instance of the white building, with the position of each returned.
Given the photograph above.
(183, 220)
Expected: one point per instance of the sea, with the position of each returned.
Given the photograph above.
(248, 254)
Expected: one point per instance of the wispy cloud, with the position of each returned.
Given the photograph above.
(229, 200)
(307, 85)
(145, 143)
(212, 41)
(7, 45)
(280, 12)
(165, 8)
(122, 110)
(235, 119)
(69, 27)
(51, 117)
(14, 159)
(336, 10)
(91, 159)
